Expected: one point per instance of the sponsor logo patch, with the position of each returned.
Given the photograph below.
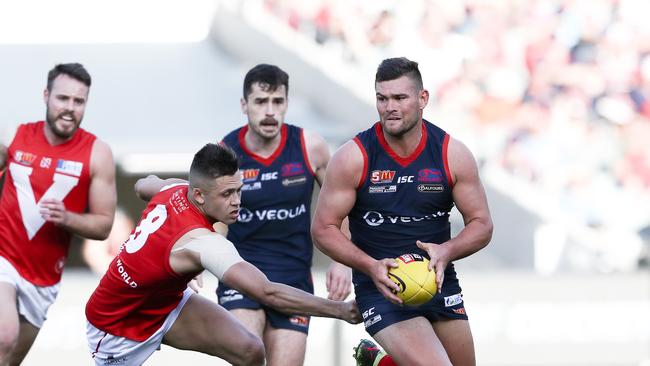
(453, 300)
(430, 188)
(374, 218)
(373, 320)
(291, 169)
(251, 187)
(294, 181)
(430, 175)
(302, 321)
(250, 175)
(245, 215)
(112, 360)
(382, 189)
(69, 167)
(460, 311)
(382, 176)
(269, 176)
(230, 295)
(25, 157)
(46, 162)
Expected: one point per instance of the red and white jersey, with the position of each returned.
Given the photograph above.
(140, 288)
(35, 171)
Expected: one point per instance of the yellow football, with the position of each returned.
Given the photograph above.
(417, 285)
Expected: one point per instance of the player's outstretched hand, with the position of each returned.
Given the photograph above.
(53, 210)
(351, 313)
(338, 281)
(379, 275)
(438, 259)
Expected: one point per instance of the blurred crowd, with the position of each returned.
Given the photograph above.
(550, 94)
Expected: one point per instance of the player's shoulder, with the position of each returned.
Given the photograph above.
(349, 157)
(314, 142)
(231, 137)
(101, 152)
(458, 150)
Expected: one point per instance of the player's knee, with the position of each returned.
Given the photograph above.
(252, 352)
(8, 340)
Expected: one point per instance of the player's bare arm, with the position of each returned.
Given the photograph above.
(147, 187)
(338, 278)
(102, 199)
(471, 202)
(336, 199)
(201, 249)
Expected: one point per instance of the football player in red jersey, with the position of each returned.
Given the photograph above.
(60, 181)
(143, 299)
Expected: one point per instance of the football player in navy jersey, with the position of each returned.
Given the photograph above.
(280, 163)
(396, 183)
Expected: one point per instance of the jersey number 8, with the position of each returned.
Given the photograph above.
(152, 222)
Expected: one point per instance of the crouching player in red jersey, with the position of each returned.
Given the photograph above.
(143, 299)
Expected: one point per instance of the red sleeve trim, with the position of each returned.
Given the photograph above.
(305, 156)
(445, 160)
(365, 162)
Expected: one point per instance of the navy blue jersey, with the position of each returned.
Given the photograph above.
(272, 230)
(401, 200)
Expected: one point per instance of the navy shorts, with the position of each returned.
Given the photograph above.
(232, 299)
(378, 313)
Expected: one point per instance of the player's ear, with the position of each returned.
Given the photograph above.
(198, 196)
(46, 95)
(243, 105)
(424, 98)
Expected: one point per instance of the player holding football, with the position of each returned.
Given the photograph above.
(60, 181)
(143, 299)
(397, 183)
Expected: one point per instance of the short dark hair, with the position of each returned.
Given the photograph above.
(394, 68)
(213, 161)
(74, 70)
(271, 75)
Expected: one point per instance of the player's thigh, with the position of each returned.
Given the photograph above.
(26, 337)
(456, 336)
(9, 324)
(412, 342)
(207, 327)
(253, 319)
(284, 346)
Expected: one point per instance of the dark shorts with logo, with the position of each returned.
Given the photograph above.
(379, 313)
(233, 299)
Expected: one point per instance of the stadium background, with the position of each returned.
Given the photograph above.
(550, 95)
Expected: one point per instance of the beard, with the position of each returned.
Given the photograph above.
(51, 119)
(402, 130)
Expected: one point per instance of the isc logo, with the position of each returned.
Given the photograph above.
(405, 179)
(270, 176)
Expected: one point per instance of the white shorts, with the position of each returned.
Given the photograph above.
(107, 349)
(33, 301)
